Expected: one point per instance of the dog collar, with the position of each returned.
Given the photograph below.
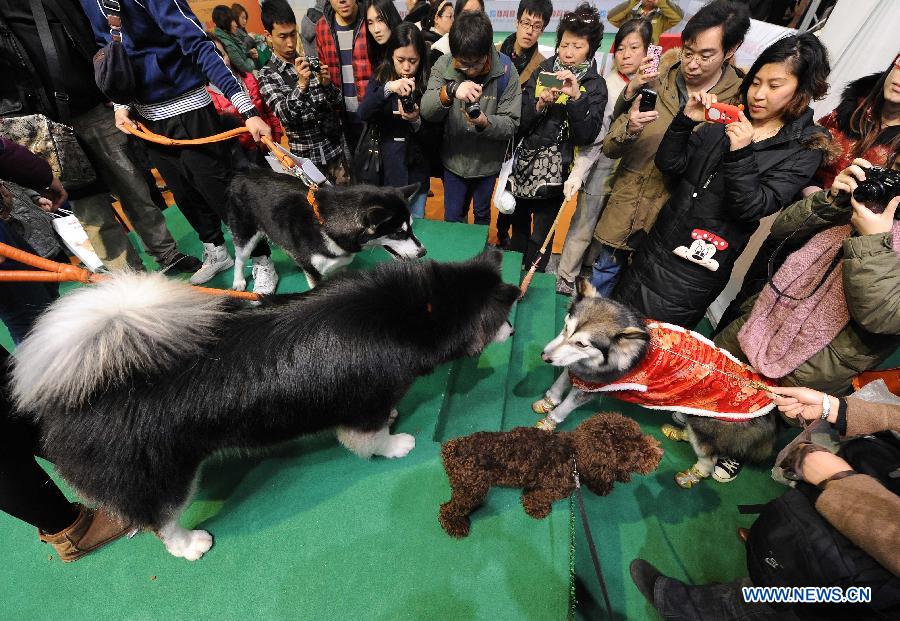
(311, 199)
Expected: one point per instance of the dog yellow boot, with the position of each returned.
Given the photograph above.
(543, 406)
(546, 423)
(679, 434)
(690, 477)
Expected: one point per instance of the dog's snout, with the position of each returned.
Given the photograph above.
(421, 252)
(545, 357)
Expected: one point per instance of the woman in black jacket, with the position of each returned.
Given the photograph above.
(567, 116)
(402, 76)
(727, 178)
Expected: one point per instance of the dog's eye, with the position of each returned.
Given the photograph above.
(582, 344)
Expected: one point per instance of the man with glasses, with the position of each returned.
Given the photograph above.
(474, 91)
(521, 47)
(639, 191)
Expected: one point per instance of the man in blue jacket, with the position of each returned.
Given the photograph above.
(173, 59)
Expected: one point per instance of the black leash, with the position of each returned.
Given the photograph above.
(587, 532)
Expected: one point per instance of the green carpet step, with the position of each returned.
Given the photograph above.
(477, 387)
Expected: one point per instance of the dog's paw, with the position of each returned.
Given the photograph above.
(193, 546)
(453, 525)
(543, 406)
(399, 445)
(239, 284)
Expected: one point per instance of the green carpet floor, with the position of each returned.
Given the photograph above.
(310, 531)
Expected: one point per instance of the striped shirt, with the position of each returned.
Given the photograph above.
(348, 86)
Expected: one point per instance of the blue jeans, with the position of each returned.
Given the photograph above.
(606, 269)
(458, 192)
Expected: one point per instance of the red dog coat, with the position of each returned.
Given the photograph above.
(684, 371)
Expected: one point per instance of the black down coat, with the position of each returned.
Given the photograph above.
(719, 198)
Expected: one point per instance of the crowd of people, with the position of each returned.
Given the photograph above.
(666, 201)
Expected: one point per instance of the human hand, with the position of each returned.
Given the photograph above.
(867, 222)
(123, 120)
(253, 53)
(42, 203)
(402, 86)
(481, 121)
(697, 105)
(468, 91)
(572, 185)
(806, 403)
(820, 465)
(546, 98)
(258, 128)
(304, 72)
(324, 76)
(640, 79)
(570, 84)
(56, 194)
(849, 178)
(408, 116)
(740, 132)
(638, 120)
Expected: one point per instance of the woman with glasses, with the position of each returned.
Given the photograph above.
(562, 110)
(438, 22)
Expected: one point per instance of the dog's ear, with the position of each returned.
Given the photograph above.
(650, 454)
(375, 217)
(633, 332)
(408, 191)
(491, 256)
(584, 289)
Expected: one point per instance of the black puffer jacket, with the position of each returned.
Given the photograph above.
(577, 122)
(721, 196)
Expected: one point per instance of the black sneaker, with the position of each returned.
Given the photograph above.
(726, 469)
(565, 287)
(184, 263)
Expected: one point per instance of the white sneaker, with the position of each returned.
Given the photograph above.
(265, 278)
(215, 260)
(726, 469)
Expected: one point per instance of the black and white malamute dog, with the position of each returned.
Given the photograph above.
(136, 380)
(320, 239)
(602, 342)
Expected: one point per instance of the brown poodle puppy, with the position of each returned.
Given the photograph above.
(606, 447)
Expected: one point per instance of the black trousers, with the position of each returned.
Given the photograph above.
(197, 176)
(26, 491)
(531, 221)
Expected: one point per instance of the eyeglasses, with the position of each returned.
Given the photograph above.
(897, 61)
(531, 26)
(687, 56)
(470, 65)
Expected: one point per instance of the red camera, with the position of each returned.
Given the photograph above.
(723, 113)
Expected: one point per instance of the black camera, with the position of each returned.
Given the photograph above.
(473, 110)
(314, 64)
(409, 102)
(880, 186)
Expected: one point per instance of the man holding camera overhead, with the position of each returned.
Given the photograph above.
(475, 92)
(304, 100)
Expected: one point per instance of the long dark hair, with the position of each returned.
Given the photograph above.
(866, 120)
(807, 60)
(403, 35)
(391, 17)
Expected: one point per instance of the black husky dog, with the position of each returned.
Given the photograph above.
(135, 381)
(322, 238)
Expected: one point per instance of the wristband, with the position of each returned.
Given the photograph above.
(249, 114)
(452, 87)
(826, 407)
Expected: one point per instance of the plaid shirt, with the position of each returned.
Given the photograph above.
(326, 42)
(308, 117)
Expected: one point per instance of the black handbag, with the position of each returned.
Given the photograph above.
(112, 67)
(366, 166)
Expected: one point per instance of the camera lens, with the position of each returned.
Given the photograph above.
(473, 110)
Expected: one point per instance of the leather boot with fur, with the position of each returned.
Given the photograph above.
(92, 529)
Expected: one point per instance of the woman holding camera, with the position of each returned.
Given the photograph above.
(392, 105)
(728, 178)
(562, 110)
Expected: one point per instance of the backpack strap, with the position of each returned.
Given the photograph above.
(504, 78)
(60, 97)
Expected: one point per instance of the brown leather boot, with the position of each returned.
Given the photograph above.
(92, 529)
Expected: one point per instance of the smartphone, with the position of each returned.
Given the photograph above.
(723, 113)
(648, 100)
(549, 80)
(654, 52)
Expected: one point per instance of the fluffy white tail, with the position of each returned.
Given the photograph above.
(99, 335)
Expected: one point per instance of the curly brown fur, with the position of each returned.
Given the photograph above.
(607, 447)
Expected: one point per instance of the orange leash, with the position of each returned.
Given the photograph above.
(51, 271)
